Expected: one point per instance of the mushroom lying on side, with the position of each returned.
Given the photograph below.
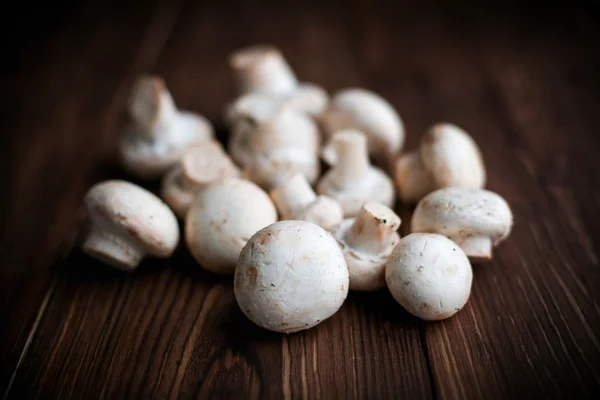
(367, 112)
(290, 276)
(353, 180)
(367, 241)
(160, 132)
(476, 220)
(125, 223)
(199, 166)
(295, 199)
(222, 218)
(447, 157)
(429, 275)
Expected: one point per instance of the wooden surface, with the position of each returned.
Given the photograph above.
(524, 81)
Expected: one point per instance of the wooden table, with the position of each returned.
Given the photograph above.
(524, 81)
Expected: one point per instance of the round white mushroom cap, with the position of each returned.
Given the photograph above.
(125, 222)
(221, 220)
(476, 220)
(429, 275)
(290, 276)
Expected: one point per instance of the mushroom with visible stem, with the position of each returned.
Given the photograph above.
(477, 220)
(125, 223)
(429, 275)
(290, 276)
(353, 180)
(367, 241)
(160, 132)
(295, 199)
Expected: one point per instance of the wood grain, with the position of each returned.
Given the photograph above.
(521, 79)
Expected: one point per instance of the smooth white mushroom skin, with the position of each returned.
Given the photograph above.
(125, 223)
(160, 132)
(291, 276)
(412, 180)
(221, 220)
(429, 275)
(367, 241)
(477, 220)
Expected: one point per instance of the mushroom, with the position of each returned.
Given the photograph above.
(367, 241)
(353, 180)
(295, 199)
(367, 112)
(447, 157)
(160, 132)
(221, 220)
(429, 275)
(271, 141)
(264, 70)
(125, 223)
(199, 166)
(476, 220)
(290, 276)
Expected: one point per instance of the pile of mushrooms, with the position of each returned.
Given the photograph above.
(260, 208)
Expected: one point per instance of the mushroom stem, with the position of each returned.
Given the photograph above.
(202, 164)
(352, 162)
(373, 228)
(477, 248)
(152, 107)
(293, 195)
(112, 248)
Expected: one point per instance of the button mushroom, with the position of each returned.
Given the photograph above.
(367, 241)
(447, 157)
(369, 113)
(429, 275)
(125, 223)
(160, 132)
(290, 276)
(476, 220)
(263, 69)
(221, 220)
(353, 180)
(199, 166)
(295, 199)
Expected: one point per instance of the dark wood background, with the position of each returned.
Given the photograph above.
(523, 80)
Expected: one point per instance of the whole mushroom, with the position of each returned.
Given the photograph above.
(295, 199)
(124, 223)
(290, 276)
(447, 157)
(221, 220)
(160, 132)
(477, 220)
(199, 166)
(367, 241)
(429, 275)
(353, 180)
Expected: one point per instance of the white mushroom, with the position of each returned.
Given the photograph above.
(295, 199)
(271, 141)
(199, 166)
(290, 276)
(429, 275)
(221, 220)
(263, 69)
(160, 132)
(353, 180)
(369, 113)
(476, 220)
(447, 157)
(367, 241)
(125, 223)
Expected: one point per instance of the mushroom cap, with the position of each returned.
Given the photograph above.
(412, 180)
(309, 98)
(221, 220)
(451, 158)
(370, 113)
(129, 211)
(290, 276)
(462, 213)
(429, 275)
(324, 211)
